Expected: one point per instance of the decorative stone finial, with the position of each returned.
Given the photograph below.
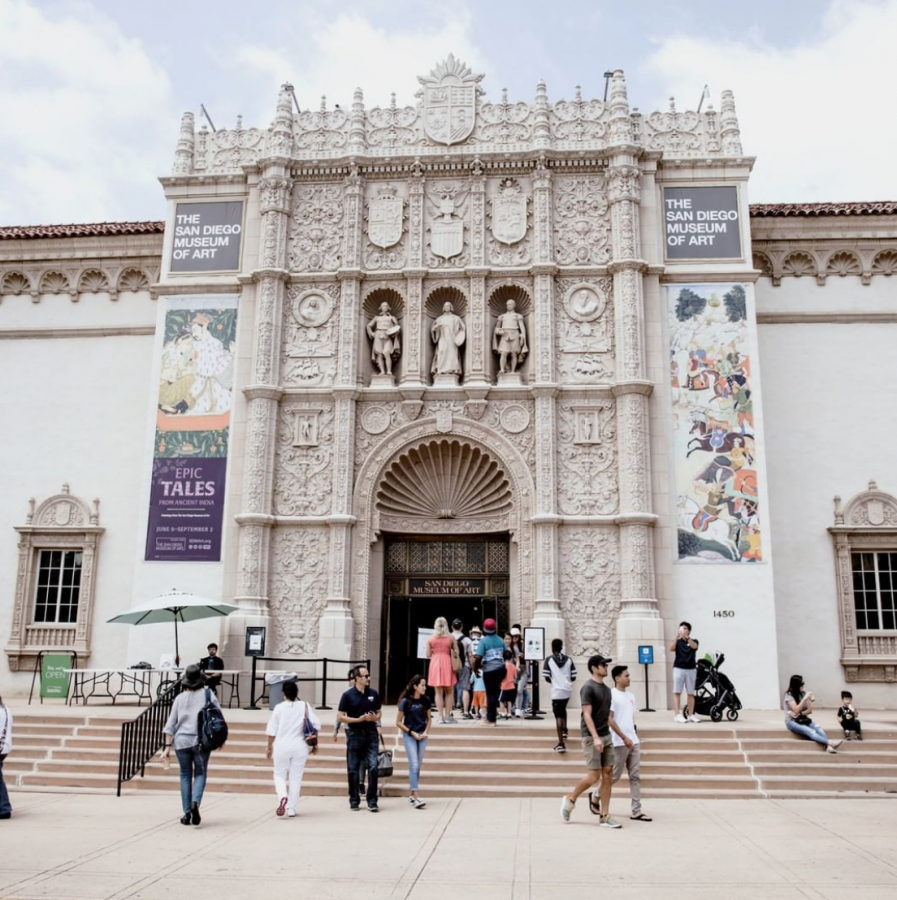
(183, 154)
(282, 127)
(839, 513)
(873, 485)
(731, 136)
(95, 512)
(357, 140)
(65, 488)
(541, 120)
(620, 120)
(30, 517)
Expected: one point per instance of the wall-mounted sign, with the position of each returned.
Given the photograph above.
(255, 640)
(701, 223)
(462, 587)
(207, 237)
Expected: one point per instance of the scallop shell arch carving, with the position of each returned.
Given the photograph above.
(444, 479)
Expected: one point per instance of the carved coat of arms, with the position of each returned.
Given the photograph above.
(385, 218)
(509, 213)
(450, 101)
(447, 232)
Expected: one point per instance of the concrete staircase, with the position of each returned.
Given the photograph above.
(56, 752)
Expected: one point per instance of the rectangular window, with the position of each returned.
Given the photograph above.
(58, 587)
(875, 590)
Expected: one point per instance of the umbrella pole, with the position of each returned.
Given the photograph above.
(177, 652)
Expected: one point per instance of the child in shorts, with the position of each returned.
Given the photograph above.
(508, 694)
(478, 704)
(847, 717)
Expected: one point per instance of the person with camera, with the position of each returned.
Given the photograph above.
(359, 711)
(798, 705)
(292, 735)
(685, 671)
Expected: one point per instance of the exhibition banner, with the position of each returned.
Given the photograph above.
(701, 223)
(207, 236)
(193, 409)
(715, 451)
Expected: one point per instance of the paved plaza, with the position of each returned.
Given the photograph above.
(92, 846)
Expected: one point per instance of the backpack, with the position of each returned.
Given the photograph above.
(211, 727)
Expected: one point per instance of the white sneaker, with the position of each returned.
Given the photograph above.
(566, 808)
(609, 822)
(836, 744)
(693, 718)
(418, 803)
(830, 749)
(680, 718)
(291, 813)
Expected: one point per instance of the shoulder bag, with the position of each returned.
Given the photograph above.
(803, 719)
(309, 732)
(384, 761)
(456, 657)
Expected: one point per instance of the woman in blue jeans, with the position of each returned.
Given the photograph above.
(413, 720)
(797, 706)
(182, 730)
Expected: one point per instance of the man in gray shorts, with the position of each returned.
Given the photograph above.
(597, 743)
(685, 670)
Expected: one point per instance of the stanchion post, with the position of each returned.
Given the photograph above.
(536, 713)
(252, 704)
(324, 686)
(647, 700)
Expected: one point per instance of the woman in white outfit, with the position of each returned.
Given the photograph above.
(288, 747)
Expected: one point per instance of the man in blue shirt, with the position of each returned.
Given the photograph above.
(359, 711)
(490, 656)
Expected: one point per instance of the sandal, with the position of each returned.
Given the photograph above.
(594, 807)
(641, 817)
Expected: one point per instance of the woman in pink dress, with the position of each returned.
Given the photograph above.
(442, 674)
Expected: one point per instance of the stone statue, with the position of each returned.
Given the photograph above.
(509, 339)
(448, 334)
(384, 330)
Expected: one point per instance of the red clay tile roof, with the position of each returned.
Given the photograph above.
(27, 232)
(758, 210)
(880, 208)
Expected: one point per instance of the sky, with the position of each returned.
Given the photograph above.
(91, 93)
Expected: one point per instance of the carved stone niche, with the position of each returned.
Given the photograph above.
(498, 305)
(375, 297)
(437, 295)
(865, 544)
(66, 524)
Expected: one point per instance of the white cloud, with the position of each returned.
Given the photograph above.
(817, 114)
(85, 118)
(346, 51)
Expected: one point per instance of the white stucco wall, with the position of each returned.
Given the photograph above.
(74, 410)
(829, 430)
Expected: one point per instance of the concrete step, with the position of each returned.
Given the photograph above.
(812, 784)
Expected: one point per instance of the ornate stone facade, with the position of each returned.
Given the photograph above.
(456, 200)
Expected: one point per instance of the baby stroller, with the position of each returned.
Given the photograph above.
(714, 692)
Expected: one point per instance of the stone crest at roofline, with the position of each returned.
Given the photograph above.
(454, 117)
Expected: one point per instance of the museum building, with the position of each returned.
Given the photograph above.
(471, 357)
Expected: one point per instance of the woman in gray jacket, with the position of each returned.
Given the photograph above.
(183, 730)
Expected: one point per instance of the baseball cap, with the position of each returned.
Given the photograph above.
(457, 623)
(599, 660)
(489, 626)
(515, 631)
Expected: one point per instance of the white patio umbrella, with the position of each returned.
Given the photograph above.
(175, 606)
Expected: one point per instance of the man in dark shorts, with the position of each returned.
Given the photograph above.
(684, 672)
(597, 742)
(359, 711)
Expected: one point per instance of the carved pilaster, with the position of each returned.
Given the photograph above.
(416, 221)
(477, 220)
(353, 221)
(476, 323)
(542, 254)
(547, 602)
(413, 362)
(350, 291)
(542, 340)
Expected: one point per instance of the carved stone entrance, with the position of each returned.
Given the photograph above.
(464, 578)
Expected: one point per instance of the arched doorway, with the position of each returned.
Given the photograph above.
(443, 527)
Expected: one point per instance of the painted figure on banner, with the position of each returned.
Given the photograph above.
(714, 435)
(509, 213)
(197, 370)
(383, 330)
(509, 339)
(448, 333)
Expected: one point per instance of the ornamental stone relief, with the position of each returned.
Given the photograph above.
(375, 420)
(509, 217)
(384, 228)
(520, 416)
(316, 226)
(589, 579)
(310, 329)
(298, 587)
(303, 469)
(446, 223)
(584, 330)
(582, 220)
(586, 453)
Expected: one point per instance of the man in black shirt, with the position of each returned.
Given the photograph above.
(359, 711)
(597, 743)
(685, 670)
(212, 663)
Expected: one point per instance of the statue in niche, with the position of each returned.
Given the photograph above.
(509, 339)
(383, 330)
(448, 334)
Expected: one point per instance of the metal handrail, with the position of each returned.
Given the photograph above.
(142, 737)
(324, 678)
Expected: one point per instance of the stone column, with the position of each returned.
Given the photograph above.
(475, 368)
(263, 392)
(413, 361)
(337, 627)
(547, 608)
(639, 620)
